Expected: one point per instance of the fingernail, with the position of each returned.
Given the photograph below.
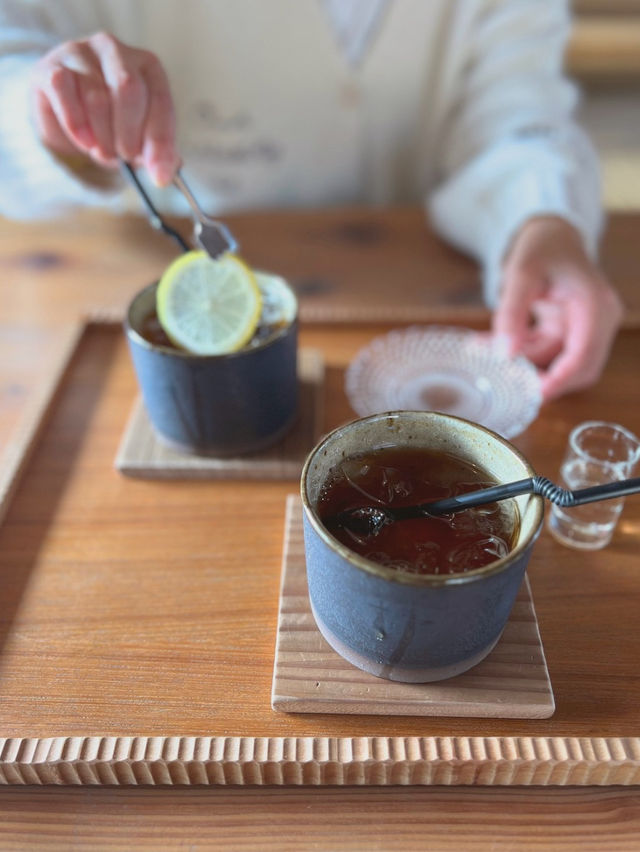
(161, 172)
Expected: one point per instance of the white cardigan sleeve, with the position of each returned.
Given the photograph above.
(510, 149)
(33, 182)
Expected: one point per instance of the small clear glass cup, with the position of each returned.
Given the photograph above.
(597, 452)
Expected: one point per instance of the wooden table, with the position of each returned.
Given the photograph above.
(135, 609)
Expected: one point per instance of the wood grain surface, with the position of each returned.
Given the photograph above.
(347, 265)
(310, 677)
(605, 45)
(59, 348)
(347, 819)
(133, 608)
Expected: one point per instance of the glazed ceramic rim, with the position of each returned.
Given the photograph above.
(180, 353)
(406, 578)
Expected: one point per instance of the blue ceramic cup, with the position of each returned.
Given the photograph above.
(402, 626)
(219, 405)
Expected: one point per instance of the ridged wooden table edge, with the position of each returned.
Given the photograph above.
(320, 761)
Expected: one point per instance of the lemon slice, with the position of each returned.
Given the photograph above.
(206, 306)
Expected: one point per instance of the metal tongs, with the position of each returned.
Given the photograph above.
(211, 235)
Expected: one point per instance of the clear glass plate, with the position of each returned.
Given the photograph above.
(453, 370)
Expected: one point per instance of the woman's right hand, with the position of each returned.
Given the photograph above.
(104, 99)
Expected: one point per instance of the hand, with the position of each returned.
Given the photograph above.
(555, 307)
(104, 99)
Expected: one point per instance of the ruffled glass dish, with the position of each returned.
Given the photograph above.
(452, 370)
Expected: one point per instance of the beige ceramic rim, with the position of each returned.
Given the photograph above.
(389, 574)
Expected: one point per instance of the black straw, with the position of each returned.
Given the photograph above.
(370, 519)
(535, 485)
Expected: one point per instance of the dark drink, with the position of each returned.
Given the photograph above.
(404, 476)
(153, 332)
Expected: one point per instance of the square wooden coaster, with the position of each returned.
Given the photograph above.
(310, 677)
(143, 454)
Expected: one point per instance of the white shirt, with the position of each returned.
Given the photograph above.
(286, 103)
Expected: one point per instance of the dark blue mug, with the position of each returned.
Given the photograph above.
(218, 405)
(398, 625)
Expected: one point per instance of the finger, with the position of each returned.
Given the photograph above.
(511, 318)
(61, 90)
(48, 126)
(128, 91)
(97, 104)
(568, 374)
(584, 353)
(159, 149)
(95, 97)
(594, 313)
(541, 351)
(545, 337)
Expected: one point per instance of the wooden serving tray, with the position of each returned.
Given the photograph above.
(138, 618)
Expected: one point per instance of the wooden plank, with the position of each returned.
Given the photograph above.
(349, 819)
(347, 265)
(608, 8)
(15, 452)
(141, 453)
(605, 46)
